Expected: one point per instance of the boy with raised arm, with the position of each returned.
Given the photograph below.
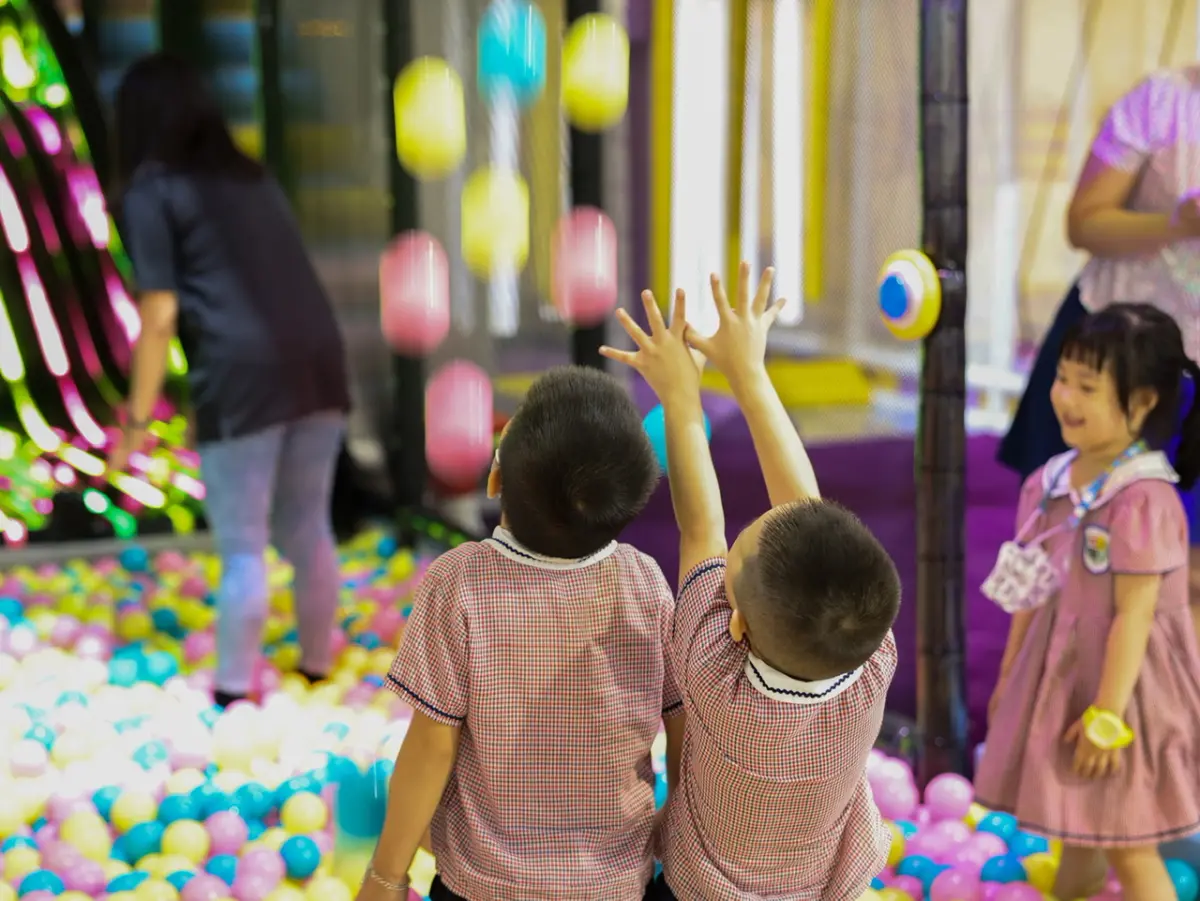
(782, 643)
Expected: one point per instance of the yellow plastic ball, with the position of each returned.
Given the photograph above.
(19, 863)
(431, 118)
(869, 895)
(115, 868)
(495, 221)
(286, 657)
(74, 896)
(273, 839)
(422, 871)
(354, 659)
(896, 851)
(135, 626)
(595, 72)
(975, 815)
(12, 815)
(286, 892)
(381, 662)
(132, 808)
(181, 782)
(230, 782)
(88, 834)
(7, 892)
(187, 839)
(327, 888)
(304, 813)
(174, 863)
(894, 894)
(1041, 870)
(155, 890)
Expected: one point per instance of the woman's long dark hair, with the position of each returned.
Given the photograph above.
(166, 114)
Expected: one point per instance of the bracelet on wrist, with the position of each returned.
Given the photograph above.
(137, 425)
(395, 888)
(1106, 730)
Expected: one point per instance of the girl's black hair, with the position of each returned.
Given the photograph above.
(165, 114)
(1143, 347)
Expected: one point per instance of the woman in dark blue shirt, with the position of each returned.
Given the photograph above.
(219, 262)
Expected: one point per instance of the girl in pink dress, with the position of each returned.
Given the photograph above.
(1095, 728)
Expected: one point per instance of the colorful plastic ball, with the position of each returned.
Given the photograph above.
(85, 876)
(180, 878)
(283, 892)
(1185, 880)
(205, 887)
(131, 808)
(252, 800)
(655, 425)
(156, 890)
(584, 265)
(949, 797)
(431, 121)
(1004, 825)
(954, 885)
(88, 834)
(1005, 868)
(1022, 844)
(20, 862)
(595, 72)
(224, 867)
(458, 428)
(1017, 891)
(41, 881)
(511, 55)
(327, 888)
(227, 831)
(187, 839)
(174, 808)
(495, 221)
(135, 559)
(414, 288)
(1041, 870)
(301, 857)
(143, 839)
(304, 813)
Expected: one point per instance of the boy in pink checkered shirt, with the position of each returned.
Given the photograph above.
(535, 664)
(782, 642)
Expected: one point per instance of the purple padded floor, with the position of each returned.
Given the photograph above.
(874, 478)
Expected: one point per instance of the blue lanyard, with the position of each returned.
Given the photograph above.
(1092, 492)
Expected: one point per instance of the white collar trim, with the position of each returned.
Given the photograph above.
(504, 544)
(781, 687)
(1149, 466)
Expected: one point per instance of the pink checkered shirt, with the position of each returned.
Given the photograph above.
(773, 799)
(556, 672)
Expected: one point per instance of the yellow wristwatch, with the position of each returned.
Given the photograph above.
(1106, 730)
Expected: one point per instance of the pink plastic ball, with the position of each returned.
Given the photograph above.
(253, 887)
(203, 887)
(969, 859)
(170, 562)
(263, 863)
(266, 677)
(85, 876)
(228, 832)
(63, 805)
(988, 890)
(323, 841)
(988, 844)
(19, 642)
(954, 885)
(337, 641)
(414, 287)
(896, 798)
(458, 423)
(584, 266)
(956, 832)
(198, 645)
(201, 680)
(927, 843)
(1018, 891)
(911, 886)
(65, 631)
(359, 697)
(949, 797)
(387, 623)
(40, 896)
(59, 856)
(194, 587)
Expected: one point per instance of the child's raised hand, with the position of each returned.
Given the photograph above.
(664, 359)
(739, 347)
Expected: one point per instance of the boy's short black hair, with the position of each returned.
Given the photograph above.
(576, 464)
(820, 593)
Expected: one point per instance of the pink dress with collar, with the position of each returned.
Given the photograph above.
(1137, 526)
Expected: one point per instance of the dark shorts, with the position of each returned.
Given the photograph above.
(439, 892)
(1035, 437)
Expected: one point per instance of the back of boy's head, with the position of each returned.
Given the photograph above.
(819, 593)
(1143, 348)
(575, 464)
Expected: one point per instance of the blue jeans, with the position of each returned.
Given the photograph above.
(273, 487)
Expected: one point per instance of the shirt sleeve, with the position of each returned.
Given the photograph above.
(1148, 531)
(1135, 125)
(672, 699)
(430, 671)
(149, 237)
(708, 662)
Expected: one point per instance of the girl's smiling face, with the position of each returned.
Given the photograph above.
(1089, 410)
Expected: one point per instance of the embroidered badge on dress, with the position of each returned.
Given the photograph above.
(1095, 549)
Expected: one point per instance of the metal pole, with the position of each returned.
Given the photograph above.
(941, 442)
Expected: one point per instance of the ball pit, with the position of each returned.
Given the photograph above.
(120, 780)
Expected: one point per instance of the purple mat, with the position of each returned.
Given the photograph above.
(874, 478)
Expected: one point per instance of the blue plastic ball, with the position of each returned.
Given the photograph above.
(71, 697)
(660, 791)
(158, 667)
(41, 881)
(1185, 880)
(511, 55)
(180, 878)
(223, 866)
(42, 734)
(252, 801)
(127, 882)
(166, 621)
(255, 829)
(144, 839)
(134, 559)
(386, 547)
(104, 798)
(17, 841)
(301, 856)
(1023, 844)
(178, 807)
(151, 754)
(1004, 825)
(656, 430)
(907, 828)
(210, 799)
(11, 609)
(920, 867)
(122, 672)
(1003, 868)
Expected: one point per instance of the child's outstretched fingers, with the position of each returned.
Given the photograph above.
(653, 313)
(719, 297)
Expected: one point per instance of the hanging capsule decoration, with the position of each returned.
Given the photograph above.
(910, 295)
